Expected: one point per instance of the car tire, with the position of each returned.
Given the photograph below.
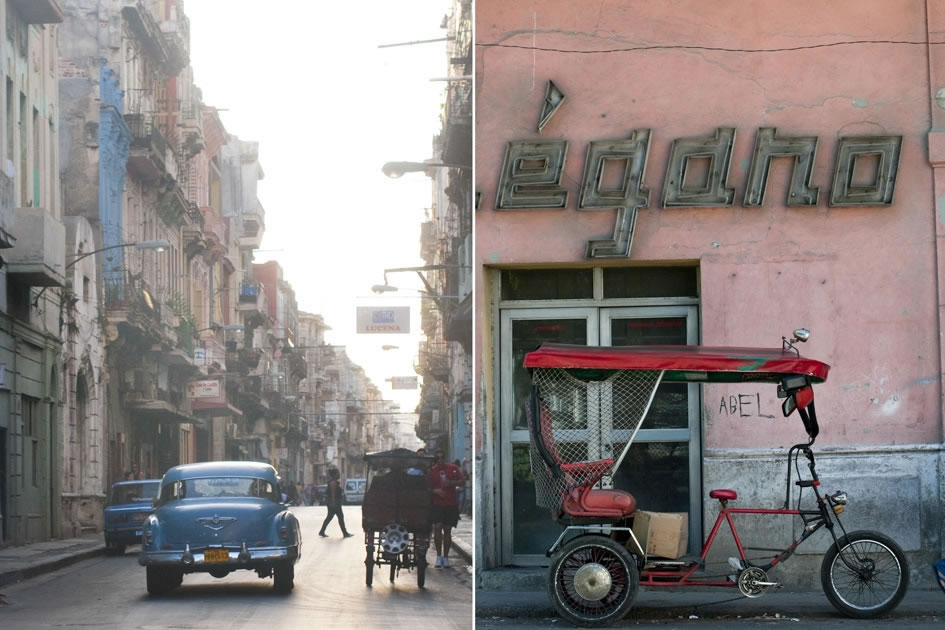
(161, 581)
(283, 578)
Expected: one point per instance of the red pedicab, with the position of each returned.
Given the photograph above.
(396, 512)
(597, 561)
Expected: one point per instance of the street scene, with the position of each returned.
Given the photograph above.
(236, 297)
(109, 592)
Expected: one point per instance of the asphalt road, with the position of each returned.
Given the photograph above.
(109, 592)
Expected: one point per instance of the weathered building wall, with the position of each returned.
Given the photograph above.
(864, 278)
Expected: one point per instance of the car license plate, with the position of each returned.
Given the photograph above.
(137, 532)
(216, 555)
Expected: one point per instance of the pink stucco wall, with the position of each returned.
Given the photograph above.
(864, 280)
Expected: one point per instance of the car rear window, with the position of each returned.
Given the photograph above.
(219, 487)
(133, 493)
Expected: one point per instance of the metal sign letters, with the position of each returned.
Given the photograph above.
(532, 170)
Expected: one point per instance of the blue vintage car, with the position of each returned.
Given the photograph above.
(129, 504)
(218, 517)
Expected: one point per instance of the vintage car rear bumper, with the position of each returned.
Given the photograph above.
(124, 535)
(257, 557)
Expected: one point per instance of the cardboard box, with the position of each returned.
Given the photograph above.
(663, 534)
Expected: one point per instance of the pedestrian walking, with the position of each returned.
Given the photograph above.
(333, 501)
(445, 478)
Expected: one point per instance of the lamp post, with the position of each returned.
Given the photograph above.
(395, 170)
(158, 245)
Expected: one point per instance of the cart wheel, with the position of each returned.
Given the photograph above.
(593, 581)
(369, 565)
(393, 571)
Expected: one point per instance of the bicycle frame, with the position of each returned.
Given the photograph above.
(814, 520)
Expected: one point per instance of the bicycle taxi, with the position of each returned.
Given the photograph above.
(598, 562)
(396, 514)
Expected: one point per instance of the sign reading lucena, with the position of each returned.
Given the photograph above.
(531, 176)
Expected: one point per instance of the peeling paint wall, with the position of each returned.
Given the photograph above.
(865, 280)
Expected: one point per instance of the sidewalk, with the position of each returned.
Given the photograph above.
(676, 602)
(463, 538)
(25, 561)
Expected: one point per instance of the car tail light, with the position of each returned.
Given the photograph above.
(284, 533)
(148, 537)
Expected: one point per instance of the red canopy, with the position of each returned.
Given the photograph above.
(684, 363)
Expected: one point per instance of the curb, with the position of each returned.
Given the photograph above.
(463, 550)
(38, 568)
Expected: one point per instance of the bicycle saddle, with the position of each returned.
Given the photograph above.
(727, 495)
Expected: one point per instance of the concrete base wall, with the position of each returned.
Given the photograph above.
(82, 514)
(896, 491)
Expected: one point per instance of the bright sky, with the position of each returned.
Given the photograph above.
(328, 107)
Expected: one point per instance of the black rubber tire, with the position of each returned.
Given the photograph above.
(369, 571)
(609, 555)
(118, 549)
(160, 581)
(868, 596)
(283, 578)
(421, 572)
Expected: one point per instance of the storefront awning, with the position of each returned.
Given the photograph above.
(207, 408)
(159, 411)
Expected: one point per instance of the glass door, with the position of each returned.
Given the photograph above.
(528, 530)
(663, 467)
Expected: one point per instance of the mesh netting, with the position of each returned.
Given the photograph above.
(583, 427)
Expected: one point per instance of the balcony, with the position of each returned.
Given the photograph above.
(428, 241)
(434, 361)
(254, 225)
(252, 298)
(176, 34)
(457, 127)
(38, 11)
(151, 157)
(38, 258)
(165, 49)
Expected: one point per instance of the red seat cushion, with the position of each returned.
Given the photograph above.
(729, 495)
(611, 500)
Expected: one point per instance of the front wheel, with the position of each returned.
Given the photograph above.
(864, 574)
(593, 580)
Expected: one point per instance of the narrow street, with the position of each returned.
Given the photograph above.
(109, 592)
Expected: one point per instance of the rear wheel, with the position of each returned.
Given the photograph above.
(369, 562)
(421, 572)
(593, 581)
(864, 574)
(283, 578)
(160, 581)
(114, 549)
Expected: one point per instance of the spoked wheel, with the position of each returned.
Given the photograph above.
(864, 574)
(593, 581)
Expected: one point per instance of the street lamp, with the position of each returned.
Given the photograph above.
(397, 169)
(158, 245)
(384, 288)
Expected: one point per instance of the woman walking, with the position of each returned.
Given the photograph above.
(333, 501)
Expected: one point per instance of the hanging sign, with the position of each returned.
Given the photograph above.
(383, 320)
